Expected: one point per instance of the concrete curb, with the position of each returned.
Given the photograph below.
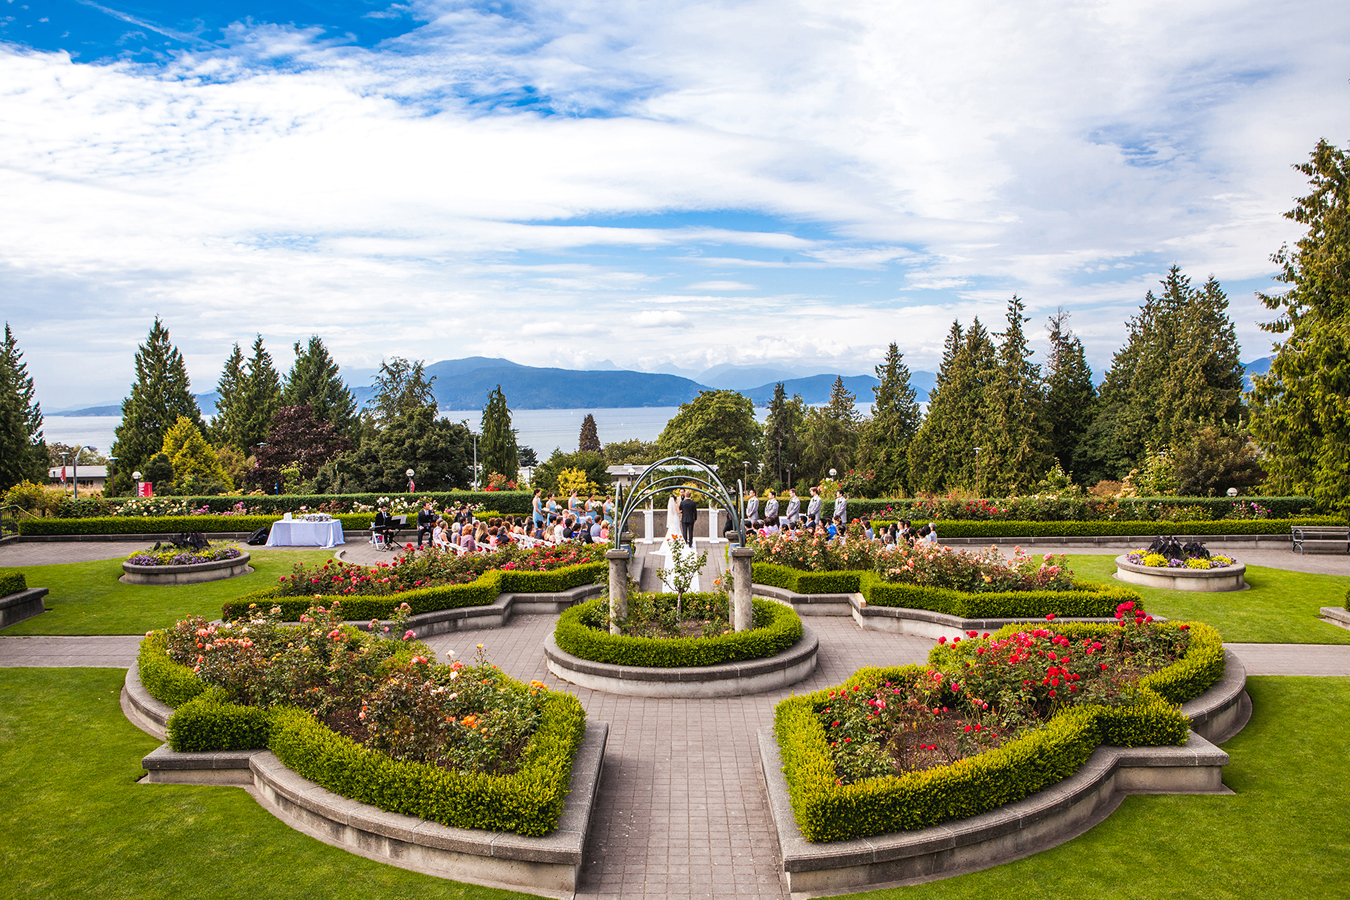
(1336, 615)
(14, 608)
(1036, 823)
(1209, 581)
(196, 573)
(751, 676)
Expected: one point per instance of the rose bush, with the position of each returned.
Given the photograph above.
(986, 571)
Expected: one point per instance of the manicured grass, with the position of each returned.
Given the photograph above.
(87, 598)
(1280, 607)
(78, 825)
(1282, 836)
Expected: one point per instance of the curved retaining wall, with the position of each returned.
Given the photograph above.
(1037, 823)
(751, 676)
(196, 573)
(25, 604)
(548, 865)
(1230, 578)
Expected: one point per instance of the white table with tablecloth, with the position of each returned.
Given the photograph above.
(299, 533)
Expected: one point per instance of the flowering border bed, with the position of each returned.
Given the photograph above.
(1158, 561)
(178, 557)
(580, 632)
(1088, 599)
(528, 802)
(481, 592)
(827, 811)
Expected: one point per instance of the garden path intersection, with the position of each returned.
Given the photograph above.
(681, 810)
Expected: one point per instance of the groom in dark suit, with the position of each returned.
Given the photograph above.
(688, 516)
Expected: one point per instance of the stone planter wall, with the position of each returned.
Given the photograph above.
(23, 605)
(193, 574)
(1230, 578)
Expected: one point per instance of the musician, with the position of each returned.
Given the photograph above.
(426, 521)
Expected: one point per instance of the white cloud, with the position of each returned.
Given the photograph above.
(721, 286)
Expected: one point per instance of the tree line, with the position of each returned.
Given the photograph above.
(1170, 415)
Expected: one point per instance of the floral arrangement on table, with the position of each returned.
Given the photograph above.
(985, 571)
(1143, 557)
(178, 556)
(429, 567)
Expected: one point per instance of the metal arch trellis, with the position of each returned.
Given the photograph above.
(646, 487)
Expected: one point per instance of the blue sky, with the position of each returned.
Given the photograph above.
(665, 186)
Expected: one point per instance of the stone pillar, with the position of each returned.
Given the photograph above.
(618, 587)
(714, 525)
(649, 516)
(742, 616)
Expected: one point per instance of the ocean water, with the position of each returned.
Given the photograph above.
(542, 429)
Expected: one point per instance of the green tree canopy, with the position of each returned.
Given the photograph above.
(883, 447)
(160, 394)
(831, 435)
(593, 464)
(1070, 398)
(402, 389)
(1301, 407)
(497, 450)
(262, 395)
(196, 468)
(229, 426)
(23, 453)
(784, 440)
(942, 454)
(314, 380)
(716, 427)
(589, 440)
(440, 452)
(1016, 448)
(633, 451)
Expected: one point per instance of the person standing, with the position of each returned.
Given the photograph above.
(813, 508)
(841, 508)
(538, 508)
(688, 516)
(426, 521)
(672, 513)
(771, 507)
(751, 506)
(794, 508)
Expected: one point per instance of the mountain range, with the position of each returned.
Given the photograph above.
(463, 384)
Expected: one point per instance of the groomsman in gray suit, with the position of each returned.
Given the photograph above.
(751, 508)
(841, 507)
(813, 508)
(770, 507)
(794, 507)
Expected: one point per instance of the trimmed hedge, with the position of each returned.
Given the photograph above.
(515, 502)
(169, 682)
(210, 722)
(581, 632)
(1139, 508)
(826, 811)
(12, 583)
(803, 582)
(169, 524)
(482, 592)
(962, 528)
(528, 802)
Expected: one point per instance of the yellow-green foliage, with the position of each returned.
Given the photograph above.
(191, 455)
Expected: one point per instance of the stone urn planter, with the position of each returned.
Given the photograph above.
(1228, 578)
(195, 573)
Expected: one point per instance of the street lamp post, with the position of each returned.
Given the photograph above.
(136, 477)
(978, 486)
(109, 483)
(75, 469)
(475, 459)
(409, 473)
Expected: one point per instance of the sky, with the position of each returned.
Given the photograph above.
(657, 186)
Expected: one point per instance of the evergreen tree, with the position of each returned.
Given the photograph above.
(1301, 408)
(783, 440)
(832, 434)
(196, 468)
(497, 448)
(160, 394)
(1180, 365)
(315, 382)
(1015, 452)
(263, 395)
(402, 389)
(229, 427)
(942, 454)
(589, 441)
(1070, 398)
(23, 453)
(884, 446)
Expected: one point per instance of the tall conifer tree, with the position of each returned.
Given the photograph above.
(314, 381)
(884, 446)
(160, 394)
(832, 434)
(589, 440)
(942, 454)
(1070, 398)
(783, 439)
(263, 394)
(1015, 453)
(229, 427)
(497, 447)
(23, 452)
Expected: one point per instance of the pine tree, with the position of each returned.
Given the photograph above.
(263, 395)
(196, 468)
(314, 381)
(884, 446)
(1301, 408)
(402, 390)
(497, 447)
(1070, 398)
(160, 394)
(832, 434)
(23, 452)
(783, 440)
(229, 426)
(942, 454)
(1015, 453)
(589, 441)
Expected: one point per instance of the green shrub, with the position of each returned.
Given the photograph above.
(1108, 528)
(802, 582)
(171, 683)
(1087, 600)
(12, 583)
(482, 592)
(826, 811)
(581, 631)
(528, 802)
(210, 722)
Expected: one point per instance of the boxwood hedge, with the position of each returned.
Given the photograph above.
(581, 631)
(965, 528)
(826, 811)
(528, 802)
(481, 592)
(169, 524)
(12, 583)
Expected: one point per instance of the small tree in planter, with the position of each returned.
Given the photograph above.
(683, 568)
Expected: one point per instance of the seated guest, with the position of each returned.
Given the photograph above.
(439, 537)
(867, 529)
(466, 540)
(836, 528)
(596, 529)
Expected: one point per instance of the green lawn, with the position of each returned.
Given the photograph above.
(78, 825)
(87, 598)
(1280, 607)
(1283, 835)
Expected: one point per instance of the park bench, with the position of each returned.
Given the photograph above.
(1335, 535)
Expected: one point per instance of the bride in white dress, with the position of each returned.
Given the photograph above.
(672, 515)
